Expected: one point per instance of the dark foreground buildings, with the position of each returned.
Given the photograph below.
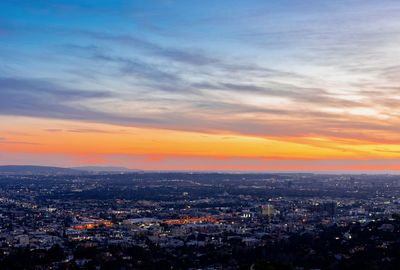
(199, 221)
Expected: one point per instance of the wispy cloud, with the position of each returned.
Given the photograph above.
(41, 98)
(321, 76)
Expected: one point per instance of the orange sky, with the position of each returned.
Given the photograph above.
(150, 148)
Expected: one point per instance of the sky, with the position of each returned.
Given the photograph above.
(285, 85)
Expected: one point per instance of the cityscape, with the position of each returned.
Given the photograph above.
(150, 220)
(199, 135)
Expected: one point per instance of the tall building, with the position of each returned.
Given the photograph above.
(267, 210)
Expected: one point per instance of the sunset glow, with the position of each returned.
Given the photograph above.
(164, 85)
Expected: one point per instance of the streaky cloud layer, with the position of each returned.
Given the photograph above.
(261, 85)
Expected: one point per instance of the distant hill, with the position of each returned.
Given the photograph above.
(101, 169)
(36, 170)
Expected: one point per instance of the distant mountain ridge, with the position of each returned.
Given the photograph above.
(104, 169)
(36, 170)
(48, 170)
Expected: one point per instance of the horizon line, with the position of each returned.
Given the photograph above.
(243, 171)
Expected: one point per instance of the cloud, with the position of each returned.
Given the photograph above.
(195, 57)
(126, 66)
(44, 88)
(5, 141)
(137, 67)
(294, 92)
(160, 77)
(53, 130)
(94, 130)
(21, 96)
(183, 56)
(387, 151)
(325, 76)
(41, 98)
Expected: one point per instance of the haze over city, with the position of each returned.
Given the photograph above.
(201, 85)
(187, 134)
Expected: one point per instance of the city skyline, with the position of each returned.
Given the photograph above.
(185, 85)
